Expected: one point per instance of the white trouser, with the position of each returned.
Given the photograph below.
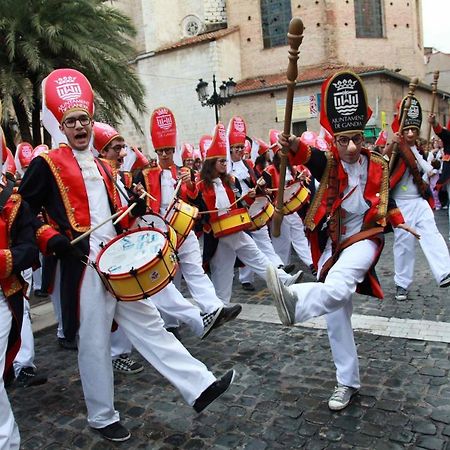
(25, 356)
(292, 233)
(142, 324)
(56, 300)
(222, 263)
(418, 215)
(333, 297)
(120, 344)
(9, 432)
(198, 283)
(264, 243)
(174, 307)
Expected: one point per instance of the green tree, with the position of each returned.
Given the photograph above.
(38, 36)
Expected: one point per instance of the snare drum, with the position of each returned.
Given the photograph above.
(154, 220)
(231, 222)
(261, 211)
(295, 195)
(182, 218)
(137, 264)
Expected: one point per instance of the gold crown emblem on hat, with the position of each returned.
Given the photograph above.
(65, 80)
(345, 84)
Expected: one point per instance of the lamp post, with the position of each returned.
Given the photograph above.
(226, 92)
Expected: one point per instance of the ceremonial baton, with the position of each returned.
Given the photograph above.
(412, 87)
(295, 38)
(433, 101)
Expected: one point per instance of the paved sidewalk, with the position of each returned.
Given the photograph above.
(279, 400)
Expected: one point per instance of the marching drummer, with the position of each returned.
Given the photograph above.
(243, 170)
(166, 183)
(218, 196)
(77, 193)
(169, 301)
(292, 229)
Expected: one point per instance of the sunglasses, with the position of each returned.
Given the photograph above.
(164, 151)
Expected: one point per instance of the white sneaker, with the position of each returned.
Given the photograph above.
(285, 300)
(294, 279)
(341, 397)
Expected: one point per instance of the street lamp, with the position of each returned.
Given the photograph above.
(226, 91)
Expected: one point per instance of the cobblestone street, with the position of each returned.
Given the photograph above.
(285, 377)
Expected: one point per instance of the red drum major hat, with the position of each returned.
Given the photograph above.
(218, 147)
(42, 148)
(309, 138)
(187, 151)
(66, 90)
(237, 130)
(103, 135)
(141, 161)
(204, 144)
(273, 139)
(23, 156)
(263, 147)
(163, 128)
(10, 165)
(344, 107)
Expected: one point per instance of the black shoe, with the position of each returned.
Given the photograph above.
(27, 377)
(445, 282)
(401, 294)
(175, 332)
(115, 432)
(67, 345)
(288, 268)
(229, 313)
(248, 286)
(214, 391)
(40, 294)
(124, 364)
(313, 270)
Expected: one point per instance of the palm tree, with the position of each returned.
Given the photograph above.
(38, 36)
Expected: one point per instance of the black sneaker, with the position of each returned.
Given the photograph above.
(124, 364)
(114, 432)
(248, 286)
(214, 391)
(67, 345)
(401, 294)
(313, 270)
(229, 313)
(28, 377)
(445, 282)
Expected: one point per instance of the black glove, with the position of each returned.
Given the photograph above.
(62, 248)
(141, 206)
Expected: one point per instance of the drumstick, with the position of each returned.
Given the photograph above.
(87, 233)
(130, 208)
(146, 193)
(174, 196)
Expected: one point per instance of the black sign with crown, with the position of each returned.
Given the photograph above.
(413, 118)
(346, 103)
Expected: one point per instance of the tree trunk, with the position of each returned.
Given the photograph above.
(22, 119)
(36, 115)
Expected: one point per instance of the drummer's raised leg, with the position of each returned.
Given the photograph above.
(144, 327)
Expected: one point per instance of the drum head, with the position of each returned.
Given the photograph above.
(154, 221)
(258, 205)
(130, 251)
(290, 191)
